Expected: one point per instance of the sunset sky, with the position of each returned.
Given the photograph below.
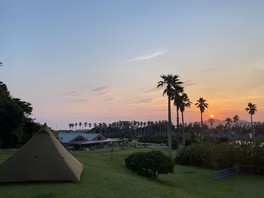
(100, 60)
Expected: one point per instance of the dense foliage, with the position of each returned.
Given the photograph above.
(149, 164)
(16, 127)
(224, 155)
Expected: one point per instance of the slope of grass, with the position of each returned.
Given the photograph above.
(106, 177)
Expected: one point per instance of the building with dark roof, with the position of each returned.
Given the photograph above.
(85, 141)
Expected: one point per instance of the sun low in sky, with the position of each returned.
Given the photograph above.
(100, 61)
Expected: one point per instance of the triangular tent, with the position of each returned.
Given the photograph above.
(42, 158)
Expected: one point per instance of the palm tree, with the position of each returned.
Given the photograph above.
(141, 129)
(201, 104)
(185, 102)
(75, 125)
(95, 127)
(228, 124)
(85, 125)
(235, 120)
(169, 81)
(228, 121)
(251, 109)
(178, 89)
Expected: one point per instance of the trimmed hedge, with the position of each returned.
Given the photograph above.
(224, 155)
(150, 164)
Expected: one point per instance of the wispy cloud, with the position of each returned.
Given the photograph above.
(79, 100)
(142, 101)
(75, 97)
(71, 93)
(147, 56)
(205, 70)
(257, 66)
(189, 83)
(102, 90)
(153, 90)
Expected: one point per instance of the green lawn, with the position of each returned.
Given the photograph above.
(104, 177)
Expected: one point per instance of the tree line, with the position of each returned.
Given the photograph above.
(16, 125)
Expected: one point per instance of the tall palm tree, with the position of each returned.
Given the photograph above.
(251, 109)
(228, 124)
(185, 102)
(177, 100)
(169, 81)
(201, 104)
(141, 128)
(85, 125)
(235, 120)
(75, 125)
(228, 121)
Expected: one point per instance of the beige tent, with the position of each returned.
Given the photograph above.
(42, 158)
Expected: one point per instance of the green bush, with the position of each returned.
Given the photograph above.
(149, 164)
(224, 155)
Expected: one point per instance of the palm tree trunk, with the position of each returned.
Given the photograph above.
(252, 130)
(183, 132)
(169, 129)
(178, 127)
(202, 126)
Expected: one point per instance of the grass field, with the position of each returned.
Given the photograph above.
(104, 177)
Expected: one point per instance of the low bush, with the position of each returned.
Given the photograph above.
(150, 164)
(224, 155)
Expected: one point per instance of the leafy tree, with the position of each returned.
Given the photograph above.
(11, 120)
(25, 106)
(14, 114)
(201, 104)
(251, 109)
(29, 129)
(170, 81)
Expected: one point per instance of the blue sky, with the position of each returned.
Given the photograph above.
(100, 61)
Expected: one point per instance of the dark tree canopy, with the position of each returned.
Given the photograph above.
(13, 118)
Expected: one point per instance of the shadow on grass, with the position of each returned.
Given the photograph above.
(187, 172)
(167, 183)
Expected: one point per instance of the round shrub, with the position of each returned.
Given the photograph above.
(150, 164)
